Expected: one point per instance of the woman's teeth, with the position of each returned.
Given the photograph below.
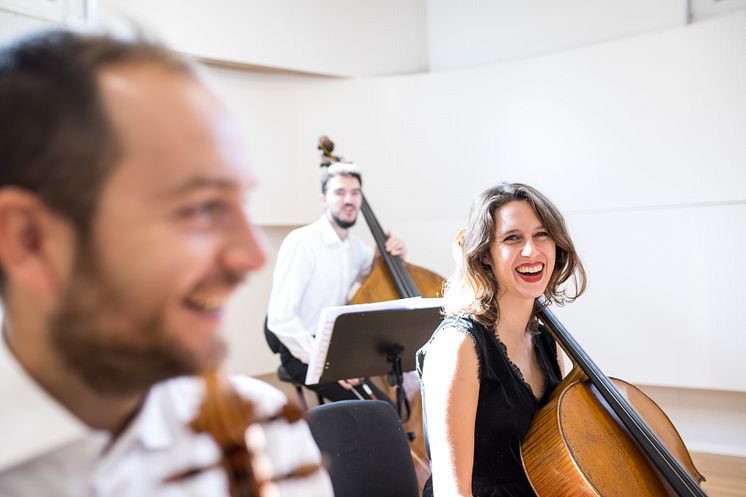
(536, 268)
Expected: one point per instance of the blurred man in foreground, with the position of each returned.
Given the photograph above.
(122, 235)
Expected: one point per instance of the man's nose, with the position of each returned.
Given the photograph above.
(247, 247)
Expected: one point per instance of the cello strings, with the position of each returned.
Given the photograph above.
(660, 456)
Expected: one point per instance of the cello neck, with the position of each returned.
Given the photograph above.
(401, 278)
(667, 465)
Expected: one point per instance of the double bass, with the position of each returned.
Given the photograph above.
(603, 437)
(391, 278)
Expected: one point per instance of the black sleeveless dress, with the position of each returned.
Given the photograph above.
(505, 408)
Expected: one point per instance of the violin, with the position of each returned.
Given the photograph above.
(599, 436)
(227, 418)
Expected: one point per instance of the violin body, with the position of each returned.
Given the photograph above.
(379, 287)
(577, 445)
(229, 420)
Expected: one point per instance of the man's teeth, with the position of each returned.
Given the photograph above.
(530, 269)
(207, 303)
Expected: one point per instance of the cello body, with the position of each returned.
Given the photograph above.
(576, 447)
(599, 436)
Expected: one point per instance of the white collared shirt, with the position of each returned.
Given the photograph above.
(48, 452)
(314, 269)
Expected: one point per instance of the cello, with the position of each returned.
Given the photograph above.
(391, 278)
(603, 437)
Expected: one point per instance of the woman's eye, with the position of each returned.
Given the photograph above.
(543, 234)
(511, 238)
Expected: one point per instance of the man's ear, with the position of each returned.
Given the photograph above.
(36, 246)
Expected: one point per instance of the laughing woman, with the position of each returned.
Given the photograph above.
(489, 366)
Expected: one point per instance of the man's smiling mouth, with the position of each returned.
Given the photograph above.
(206, 303)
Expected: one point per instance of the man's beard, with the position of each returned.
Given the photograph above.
(342, 223)
(115, 348)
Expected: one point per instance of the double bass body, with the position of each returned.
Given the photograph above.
(378, 286)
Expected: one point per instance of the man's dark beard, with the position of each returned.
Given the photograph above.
(112, 352)
(342, 223)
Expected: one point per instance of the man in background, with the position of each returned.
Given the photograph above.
(316, 267)
(122, 235)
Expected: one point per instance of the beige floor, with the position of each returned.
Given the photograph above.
(726, 475)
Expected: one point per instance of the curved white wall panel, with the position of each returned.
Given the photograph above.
(466, 34)
(343, 38)
(639, 140)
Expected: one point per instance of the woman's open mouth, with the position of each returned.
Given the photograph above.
(531, 273)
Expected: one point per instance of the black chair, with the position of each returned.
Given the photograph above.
(274, 345)
(366, 447)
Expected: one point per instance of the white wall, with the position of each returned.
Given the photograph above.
(244, 327)
(333, 37)
(465, 34)
(639, 140)
(13, 25)
(709, 421)
(479, 32)
(18, 17)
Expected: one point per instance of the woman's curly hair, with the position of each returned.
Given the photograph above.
(473, 288)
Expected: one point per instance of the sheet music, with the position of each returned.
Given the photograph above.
(329, 316)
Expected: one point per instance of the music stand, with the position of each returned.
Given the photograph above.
(378, 342)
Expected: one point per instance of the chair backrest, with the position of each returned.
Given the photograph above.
(271, 338)
(367, 448)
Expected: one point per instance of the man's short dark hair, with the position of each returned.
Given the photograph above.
(56, 140)
(326, 176)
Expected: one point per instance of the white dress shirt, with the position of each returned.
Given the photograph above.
(46, 451)
(314, 269)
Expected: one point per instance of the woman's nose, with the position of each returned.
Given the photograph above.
(529, 248)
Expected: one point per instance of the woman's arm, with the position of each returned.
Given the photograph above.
(451, 383)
